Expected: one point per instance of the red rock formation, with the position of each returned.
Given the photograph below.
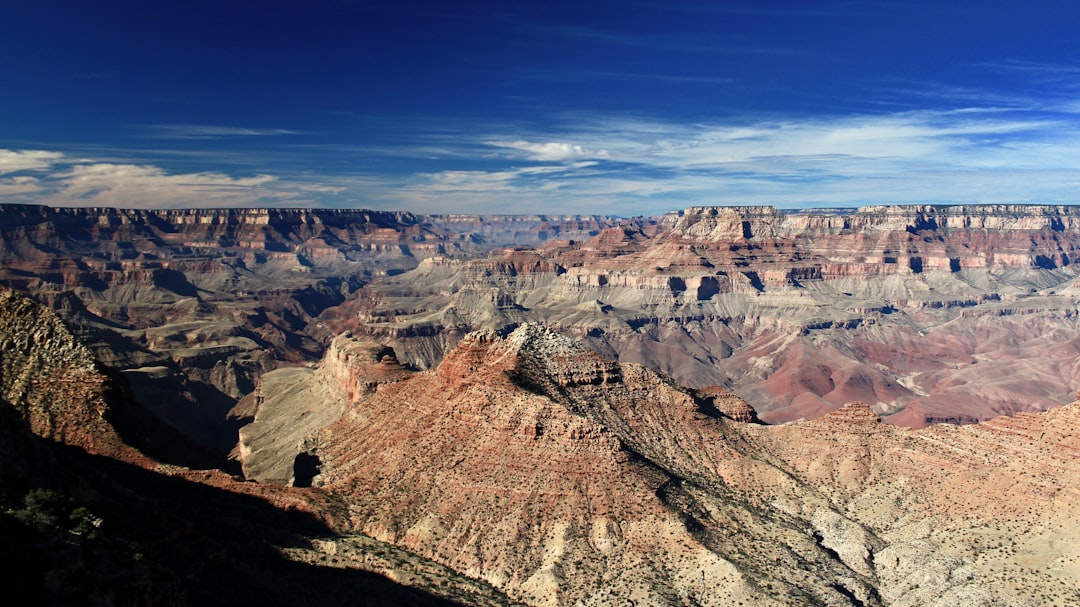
(548, 471)
(559, 476)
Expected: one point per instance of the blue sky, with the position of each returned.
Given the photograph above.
(623, 108)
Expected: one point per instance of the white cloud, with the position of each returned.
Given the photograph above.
(20, 186)
(552, 151)
(129, 185)
(939, 137)
(58, 180)
(12, 161)
(624, 166)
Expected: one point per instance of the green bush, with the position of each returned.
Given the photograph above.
(44, 509)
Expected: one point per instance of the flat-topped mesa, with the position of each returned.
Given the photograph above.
(725, 223)
(359, 366)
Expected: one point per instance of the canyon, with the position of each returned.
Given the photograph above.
(717, 406)
(926, 313)
(563, 477)
(527, 469)
(193, 306)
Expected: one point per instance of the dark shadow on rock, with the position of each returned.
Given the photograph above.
(164, 540)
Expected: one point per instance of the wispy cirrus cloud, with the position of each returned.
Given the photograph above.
(609, 164)
(1040, 73)
(205, 131)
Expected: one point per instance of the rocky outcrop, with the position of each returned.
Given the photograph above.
(729, 404)
(64, 394)
(292, 404)
(560, 477)
(361, 366)
(52, 380)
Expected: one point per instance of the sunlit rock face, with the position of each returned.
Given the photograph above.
(925, 313)
(561, 477)
(527, 465)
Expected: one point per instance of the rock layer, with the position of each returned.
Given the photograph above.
(924, 312)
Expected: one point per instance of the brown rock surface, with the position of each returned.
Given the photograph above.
(538, 468)
(730, 405)
(559, 476)
(87, 518)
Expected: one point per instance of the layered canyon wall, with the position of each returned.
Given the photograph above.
(929, 313)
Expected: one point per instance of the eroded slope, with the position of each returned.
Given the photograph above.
(561, 476)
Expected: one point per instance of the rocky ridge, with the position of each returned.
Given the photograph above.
(87, 518)
(52, 380)
(563, 477)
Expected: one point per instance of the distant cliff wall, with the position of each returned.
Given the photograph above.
(766, 221)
